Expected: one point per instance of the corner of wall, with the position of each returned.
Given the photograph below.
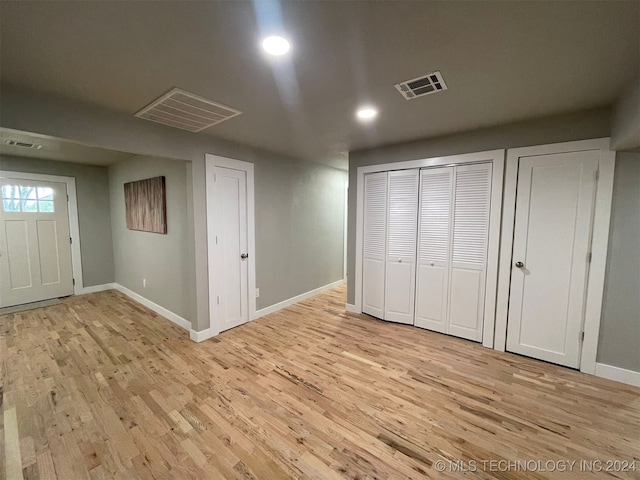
(625, 129)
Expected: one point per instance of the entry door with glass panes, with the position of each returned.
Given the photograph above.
(35, 250)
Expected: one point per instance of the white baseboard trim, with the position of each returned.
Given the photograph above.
(202, 335)
(618, 374)
(349, 307)
(96, 288)
(169, 315)
(298, 298)
(209, 332)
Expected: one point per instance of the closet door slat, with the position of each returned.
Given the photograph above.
(375, 240)
(434, 238)
(401, 246)
(472, 194)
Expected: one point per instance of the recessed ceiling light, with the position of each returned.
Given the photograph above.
(276, 45)
(366, 113)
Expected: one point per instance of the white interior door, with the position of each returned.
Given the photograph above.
(471, 209)
(434, 237)
(375, 243)
(230, 288)
(401, 246)
(554, 211)
(35, 252)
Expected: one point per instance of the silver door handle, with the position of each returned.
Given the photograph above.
(244, 255)
(519, 264)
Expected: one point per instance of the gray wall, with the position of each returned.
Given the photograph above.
(620, 328)
(165, 261)
(299, 229)
(48, 115)
(625, 128)
(299, 211)
(92, 186)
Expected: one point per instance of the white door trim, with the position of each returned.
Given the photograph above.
(212, 161)
(600, 238)
(74, 227)
(345, 227)
(494, 156)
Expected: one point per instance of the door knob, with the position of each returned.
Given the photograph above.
(244, 255)
(519, 264)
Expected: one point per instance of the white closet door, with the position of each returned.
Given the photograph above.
(434, 236)
(401, 246)
(472, 194)
(375, 241)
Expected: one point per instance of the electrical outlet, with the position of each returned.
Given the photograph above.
(144, 283)
(257, 292)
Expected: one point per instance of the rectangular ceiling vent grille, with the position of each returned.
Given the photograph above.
(421, 86)
(186, 111)
(16, 143)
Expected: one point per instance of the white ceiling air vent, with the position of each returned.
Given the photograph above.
(187, 111)
(16, 143)
(424, 85)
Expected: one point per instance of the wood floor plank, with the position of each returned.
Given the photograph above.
(99, 387)
(46, 469)
(13, 464)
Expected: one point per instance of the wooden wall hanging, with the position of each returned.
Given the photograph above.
(146, 205)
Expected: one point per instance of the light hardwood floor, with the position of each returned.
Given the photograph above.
(100, 387)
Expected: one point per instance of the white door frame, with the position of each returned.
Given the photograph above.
(345, 227)
(497, 159)
(212, 161)
(600, 239)
(74, 227)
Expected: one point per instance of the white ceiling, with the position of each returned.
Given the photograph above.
(58, 149)
(502, 62)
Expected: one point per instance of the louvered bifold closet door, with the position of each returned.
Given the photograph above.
(375, 241)
(471, 208)
(401, 246)
(434, 238)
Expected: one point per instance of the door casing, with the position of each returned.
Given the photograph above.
(74, 226)
(552, 241)
(212, 161)
(496, 157)
(43, 260)
(599, 241)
